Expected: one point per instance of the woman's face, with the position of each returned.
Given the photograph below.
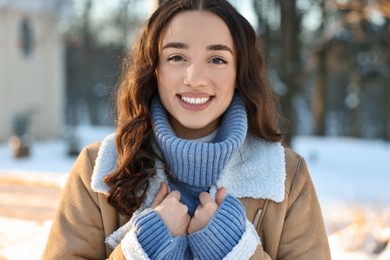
(196, 73)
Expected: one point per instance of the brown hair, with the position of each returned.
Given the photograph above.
(138, 84)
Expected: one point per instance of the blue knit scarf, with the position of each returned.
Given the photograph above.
(195, 163)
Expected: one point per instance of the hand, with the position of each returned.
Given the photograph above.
(171, 210)
(206, 210)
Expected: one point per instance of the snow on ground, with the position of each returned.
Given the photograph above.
(50, 156)
(347, 169)
(22, 240)
(352, 178)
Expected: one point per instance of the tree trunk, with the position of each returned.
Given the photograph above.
(386, 114)
(319, 99)
(386, 111)
(290, 66)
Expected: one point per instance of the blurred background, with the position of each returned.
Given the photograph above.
(328, 61)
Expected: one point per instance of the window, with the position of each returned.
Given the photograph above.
(26, 37)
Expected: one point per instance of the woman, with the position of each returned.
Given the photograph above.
(196, 168)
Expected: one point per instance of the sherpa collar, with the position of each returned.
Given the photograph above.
(258, 170)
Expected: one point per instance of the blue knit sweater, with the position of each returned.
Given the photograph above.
(197, 166)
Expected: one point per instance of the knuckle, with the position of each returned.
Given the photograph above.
(210, 206)
(184, 208)
(198, 213)
(204, 195)
(175, 194)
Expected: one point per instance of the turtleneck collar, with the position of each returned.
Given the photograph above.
(196, 163)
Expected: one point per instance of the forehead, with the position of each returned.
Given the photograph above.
(197, 27)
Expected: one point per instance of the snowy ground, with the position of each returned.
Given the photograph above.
(348, 169)
(352, 178)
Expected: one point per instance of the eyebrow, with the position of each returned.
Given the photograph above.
(219, 47)
(213, 47)
(176, 45)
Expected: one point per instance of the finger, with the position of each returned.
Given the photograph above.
(188, 221)
(161, 194)
(174, 194)
(205, 198)
(220, 196)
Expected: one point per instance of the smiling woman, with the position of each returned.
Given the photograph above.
(196, 168)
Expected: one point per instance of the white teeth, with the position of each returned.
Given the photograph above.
(195, 101)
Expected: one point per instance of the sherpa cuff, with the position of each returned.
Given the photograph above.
(223, 232)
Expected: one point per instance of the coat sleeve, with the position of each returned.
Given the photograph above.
(303, 235)
(77, 231)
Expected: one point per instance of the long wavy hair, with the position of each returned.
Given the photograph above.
(138, 84)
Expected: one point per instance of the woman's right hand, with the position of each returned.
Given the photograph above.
(171, 210)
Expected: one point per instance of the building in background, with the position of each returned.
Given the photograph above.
(32, 74)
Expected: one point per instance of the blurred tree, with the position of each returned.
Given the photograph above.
(291, 63)
(351, 91)
(95, 47)
(279, 29)
(333, 54)
(384, 7)
(319, 101)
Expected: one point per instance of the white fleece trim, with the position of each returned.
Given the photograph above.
(257, 170)
(247, 245)
(131, 248)
(116, 237)
(106, 162)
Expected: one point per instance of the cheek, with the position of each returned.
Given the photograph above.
(162, 84)
(227, 81)
(166, 77)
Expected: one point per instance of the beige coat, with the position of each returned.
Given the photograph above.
(291, 228)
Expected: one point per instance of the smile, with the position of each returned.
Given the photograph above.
(195, 101)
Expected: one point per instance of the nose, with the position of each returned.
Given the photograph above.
(195, 76)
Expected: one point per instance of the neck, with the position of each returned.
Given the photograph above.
(191, 133)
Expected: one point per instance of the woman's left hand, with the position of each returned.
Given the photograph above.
(206, 210)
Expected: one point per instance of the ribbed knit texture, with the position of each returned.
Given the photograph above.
(179, 249)
(197, 166)
(155, 238)
(222, 233)
(195, 163)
